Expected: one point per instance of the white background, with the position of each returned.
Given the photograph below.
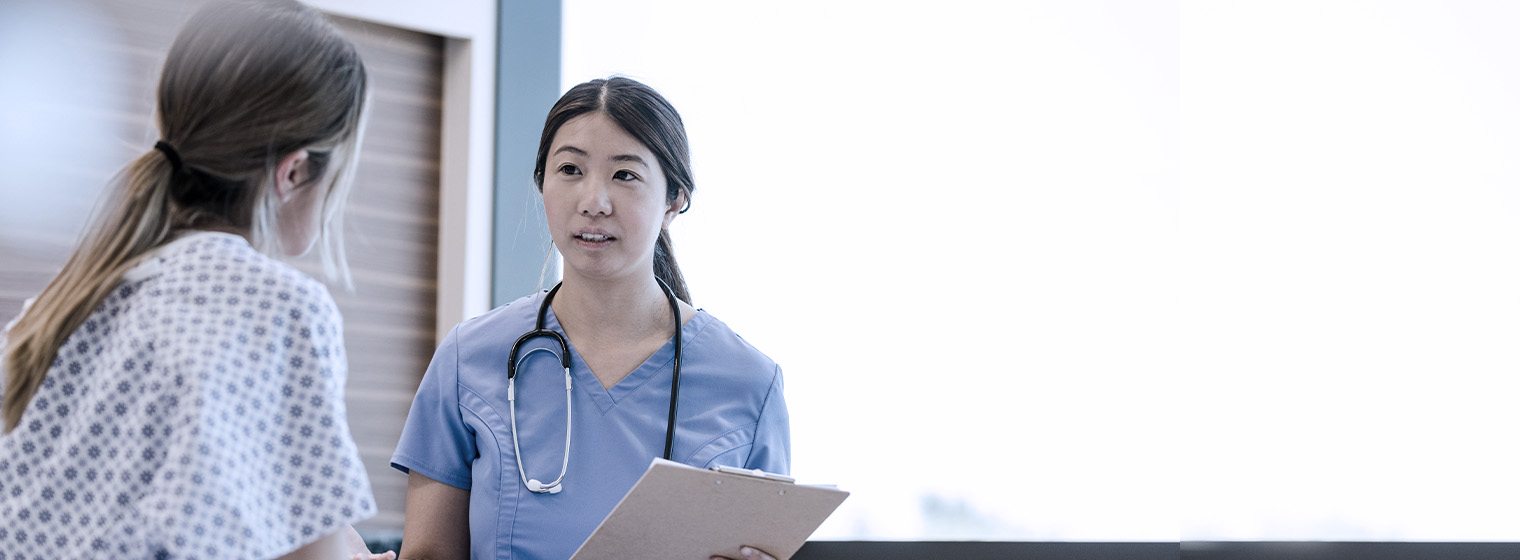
(1352, 234)
(949, 223)
(1112, 270)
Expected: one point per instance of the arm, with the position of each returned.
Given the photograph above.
(284, 425)
(772, 451)
(437, 520)
(335, 546)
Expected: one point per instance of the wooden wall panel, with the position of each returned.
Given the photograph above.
(392, 222)
(392, 242)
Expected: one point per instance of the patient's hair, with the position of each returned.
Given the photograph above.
(245, 84)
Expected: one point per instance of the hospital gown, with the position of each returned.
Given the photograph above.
(197, 413)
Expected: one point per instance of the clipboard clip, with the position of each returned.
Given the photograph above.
(755, 473)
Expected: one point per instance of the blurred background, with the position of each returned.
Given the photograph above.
(1351, 224)
(1035, 270)
(951, 226)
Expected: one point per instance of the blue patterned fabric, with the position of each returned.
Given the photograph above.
(197, 413)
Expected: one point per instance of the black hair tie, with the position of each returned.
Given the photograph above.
(171, 154)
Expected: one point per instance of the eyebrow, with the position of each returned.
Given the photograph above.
(632, 158)
(582, 153)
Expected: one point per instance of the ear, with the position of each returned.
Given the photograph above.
(292, 172)
(674, 210)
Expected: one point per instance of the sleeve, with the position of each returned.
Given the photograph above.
(772, 451)
(436, 442)
(261, 460)
(5, 334)
(25, 306)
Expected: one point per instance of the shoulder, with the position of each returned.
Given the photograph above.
(208, 252)
(213, 292)
(712, 339)
(483, 337)
(223, 268)
(509, 320)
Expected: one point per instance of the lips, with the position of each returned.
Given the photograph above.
(593, 237)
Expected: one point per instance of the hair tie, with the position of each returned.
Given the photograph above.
(170, 153)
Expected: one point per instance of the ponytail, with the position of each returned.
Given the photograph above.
(213, 169)
(134, 221)
(665, 267)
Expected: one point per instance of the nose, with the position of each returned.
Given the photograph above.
(596, 199)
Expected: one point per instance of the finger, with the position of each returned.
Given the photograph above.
(752, 553)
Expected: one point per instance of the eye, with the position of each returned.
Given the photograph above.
(569, 169)
(625, 176)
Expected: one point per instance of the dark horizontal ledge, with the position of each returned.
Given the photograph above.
(985, 550)
(1380, 550)
(1187, 550)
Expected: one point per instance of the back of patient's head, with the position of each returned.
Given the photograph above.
(244, 84)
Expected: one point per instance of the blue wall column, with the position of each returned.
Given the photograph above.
(527, 84)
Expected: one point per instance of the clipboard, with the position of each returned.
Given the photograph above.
(680, 511)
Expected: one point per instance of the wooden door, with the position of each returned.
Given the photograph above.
(116, 49)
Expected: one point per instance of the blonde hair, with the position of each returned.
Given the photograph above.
(245, 84)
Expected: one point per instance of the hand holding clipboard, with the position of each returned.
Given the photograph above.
(679, 511)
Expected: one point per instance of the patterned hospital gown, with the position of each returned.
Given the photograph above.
(197, 413)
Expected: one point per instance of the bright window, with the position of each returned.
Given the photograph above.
(1353, 230)
(949, 223)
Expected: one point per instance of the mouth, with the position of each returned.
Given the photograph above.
(591, 237)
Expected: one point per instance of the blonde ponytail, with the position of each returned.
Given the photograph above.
(132, 223)
(244, 84)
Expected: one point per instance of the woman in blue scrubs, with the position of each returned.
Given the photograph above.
(614, 170)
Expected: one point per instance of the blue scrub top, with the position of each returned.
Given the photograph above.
(731, 413)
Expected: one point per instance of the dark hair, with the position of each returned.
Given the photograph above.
(646, 115)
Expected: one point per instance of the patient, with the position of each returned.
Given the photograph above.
(176, 392)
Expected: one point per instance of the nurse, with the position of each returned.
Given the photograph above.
(493, 478)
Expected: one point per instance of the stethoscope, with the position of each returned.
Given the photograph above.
(564, 358)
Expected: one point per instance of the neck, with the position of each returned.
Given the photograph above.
(627, 309)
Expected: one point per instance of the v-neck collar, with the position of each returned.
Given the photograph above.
(657, 366)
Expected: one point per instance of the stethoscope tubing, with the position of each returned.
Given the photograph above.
(539, 330)
(675, 367)
(534, 484)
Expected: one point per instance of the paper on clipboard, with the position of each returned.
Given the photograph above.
(680, 511)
